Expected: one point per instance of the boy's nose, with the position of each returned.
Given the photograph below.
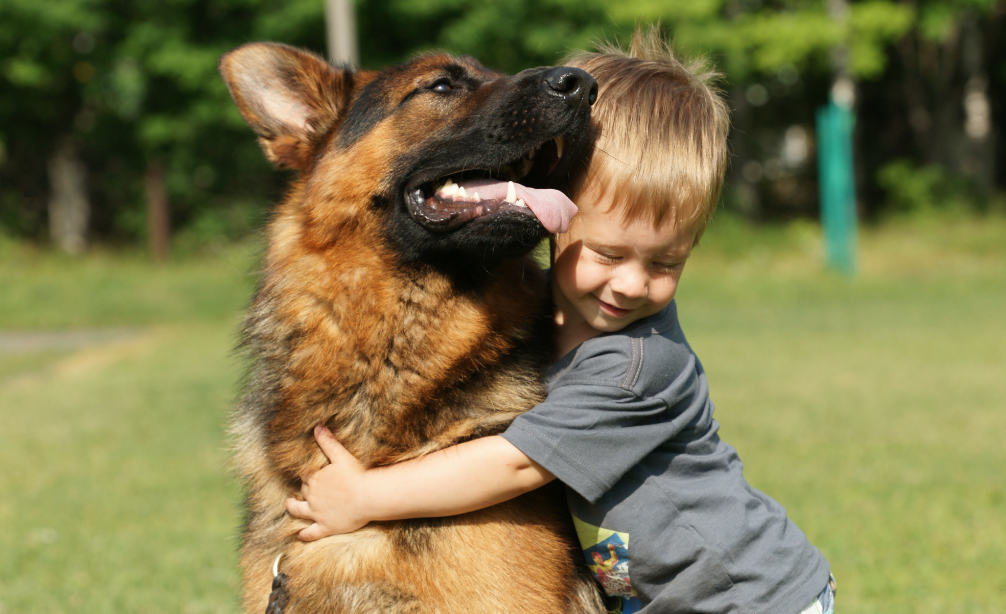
(630, 284)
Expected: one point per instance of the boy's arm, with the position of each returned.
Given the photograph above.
(345, 496)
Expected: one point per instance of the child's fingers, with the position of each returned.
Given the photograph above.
(330, 445)
(313, 532)
(298, 509)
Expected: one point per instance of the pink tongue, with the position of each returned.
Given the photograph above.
(552, 208)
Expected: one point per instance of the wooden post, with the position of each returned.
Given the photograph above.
(341, 27)
(158, 223)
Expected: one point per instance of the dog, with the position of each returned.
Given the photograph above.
(399, 307)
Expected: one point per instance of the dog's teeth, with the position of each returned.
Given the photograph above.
(511, 192)
(526, 164)
(520, 203)
(560, 144)
(461, 192)
(449, 188)
(477, 199)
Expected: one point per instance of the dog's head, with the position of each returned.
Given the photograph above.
(453, 157)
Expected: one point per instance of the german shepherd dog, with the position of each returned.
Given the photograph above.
(398, 307)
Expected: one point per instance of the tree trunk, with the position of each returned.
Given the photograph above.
(158, 225)
(69, 208)
(949, 107)
(946, 145)
(746, 198)
(341, 27)
(978, 160)
(915, 95)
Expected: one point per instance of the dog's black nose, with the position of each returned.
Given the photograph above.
(572, 84)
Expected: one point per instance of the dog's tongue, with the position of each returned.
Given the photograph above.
(552, 208)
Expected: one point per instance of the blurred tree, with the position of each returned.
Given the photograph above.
(187, 145)
(123, 88)
(69, 207)
(939, 99)
(931, 82)
(134, 86)
(507, 35)
(778, 58)
(40, 101)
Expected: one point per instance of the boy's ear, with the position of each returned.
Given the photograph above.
(290, 98)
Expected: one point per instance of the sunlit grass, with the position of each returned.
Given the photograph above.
(114, 494)
(43, 289)
(873, 408)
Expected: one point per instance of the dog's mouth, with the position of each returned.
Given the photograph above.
(456, 198)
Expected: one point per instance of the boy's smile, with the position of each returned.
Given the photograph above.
(608, 273)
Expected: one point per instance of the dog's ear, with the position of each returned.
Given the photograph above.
(290, 98)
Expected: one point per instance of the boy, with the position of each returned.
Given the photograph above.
(627, 424)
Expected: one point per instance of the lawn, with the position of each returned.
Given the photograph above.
(872, 408)
(115, 494)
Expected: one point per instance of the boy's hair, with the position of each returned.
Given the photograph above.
(660, 132)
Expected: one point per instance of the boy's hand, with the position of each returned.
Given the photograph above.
(332, 496)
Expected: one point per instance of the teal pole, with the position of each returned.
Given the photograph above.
(837, 186)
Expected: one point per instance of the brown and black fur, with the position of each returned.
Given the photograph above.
(404, 335)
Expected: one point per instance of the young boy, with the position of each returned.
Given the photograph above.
(663, 513)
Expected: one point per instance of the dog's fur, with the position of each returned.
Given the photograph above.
(403, 334)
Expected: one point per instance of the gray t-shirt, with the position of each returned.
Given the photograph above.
(665, 517)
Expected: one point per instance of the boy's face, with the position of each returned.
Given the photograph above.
(608, 273)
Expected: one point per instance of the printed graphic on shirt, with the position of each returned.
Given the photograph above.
(607, 554)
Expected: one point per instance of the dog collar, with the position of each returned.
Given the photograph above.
(279, 596)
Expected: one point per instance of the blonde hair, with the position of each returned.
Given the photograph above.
(660, 132)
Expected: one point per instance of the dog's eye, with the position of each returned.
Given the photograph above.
(441, 87)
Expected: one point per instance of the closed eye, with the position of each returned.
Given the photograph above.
(606, 259)
(667, 267)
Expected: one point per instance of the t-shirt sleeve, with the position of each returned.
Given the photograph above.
(590, 432)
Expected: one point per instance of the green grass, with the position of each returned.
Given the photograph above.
(42, 289)
(114, 494)
(872, 408)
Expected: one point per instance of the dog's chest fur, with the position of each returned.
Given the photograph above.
(398, 360)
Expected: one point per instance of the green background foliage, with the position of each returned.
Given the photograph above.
(134, 83)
